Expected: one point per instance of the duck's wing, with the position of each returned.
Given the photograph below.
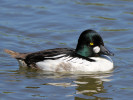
(47, 54)
(31, 58)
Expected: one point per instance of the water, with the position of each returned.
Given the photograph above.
(33, 25)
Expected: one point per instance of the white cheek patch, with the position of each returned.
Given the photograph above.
(96, 49)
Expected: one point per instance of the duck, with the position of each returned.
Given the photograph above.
(90, 55)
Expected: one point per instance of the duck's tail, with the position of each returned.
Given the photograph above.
(15, 54)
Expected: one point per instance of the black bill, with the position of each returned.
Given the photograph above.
(105, 51)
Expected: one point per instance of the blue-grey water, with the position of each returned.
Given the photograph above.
(33, 25)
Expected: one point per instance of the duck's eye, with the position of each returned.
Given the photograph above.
(91, 43)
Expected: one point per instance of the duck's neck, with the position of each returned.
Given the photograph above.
(84, 51)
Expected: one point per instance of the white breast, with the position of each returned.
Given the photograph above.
(76, 64)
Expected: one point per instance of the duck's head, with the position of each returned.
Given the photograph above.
(90, 44)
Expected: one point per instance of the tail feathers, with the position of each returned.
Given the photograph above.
(15, 54)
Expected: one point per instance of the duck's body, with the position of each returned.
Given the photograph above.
(75, 64)
(86, 57)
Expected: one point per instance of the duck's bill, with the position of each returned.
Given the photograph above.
(105, 51)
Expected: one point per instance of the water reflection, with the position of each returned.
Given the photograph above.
(91, 87)
(85, 85)
(75, 85)
(41, 84)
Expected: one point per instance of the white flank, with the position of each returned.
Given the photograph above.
(76, 64)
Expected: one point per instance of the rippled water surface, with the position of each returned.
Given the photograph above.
(33, 25)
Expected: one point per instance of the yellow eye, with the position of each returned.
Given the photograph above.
(91, 43)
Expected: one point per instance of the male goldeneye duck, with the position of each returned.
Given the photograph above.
(90, 55)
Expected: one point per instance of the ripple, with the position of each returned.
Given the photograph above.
(32, 87)
(103, 18)
(114, 29)
(61, 84)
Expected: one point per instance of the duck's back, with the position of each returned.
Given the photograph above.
(50, 54)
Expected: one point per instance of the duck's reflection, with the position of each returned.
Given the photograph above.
(86, 86)
(91, 85)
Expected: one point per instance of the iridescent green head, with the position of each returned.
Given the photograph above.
(90, 44)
